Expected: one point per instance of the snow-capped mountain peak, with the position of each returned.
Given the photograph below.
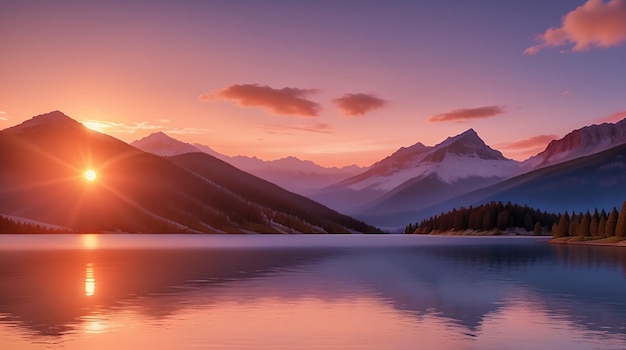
(163, 145)
(579, 143)
(457, 157)
(467, 144)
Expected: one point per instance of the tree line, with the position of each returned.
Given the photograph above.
(600, 225)
(8, 225)
(491, 216)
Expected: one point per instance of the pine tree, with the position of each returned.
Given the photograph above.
(573, 225)
(537, 229)
(563, 225)
(593, 225)
(596, 215)
(620, 228)
(504, 218)
(488, 218)
(457, 220)
(583, 228)
(555, 229)
(602, 226)
(611, 222)
(409, 229)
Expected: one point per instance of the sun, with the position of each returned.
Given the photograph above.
(90, 175)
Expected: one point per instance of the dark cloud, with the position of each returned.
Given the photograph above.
(354, 105)
(465, 114)
(285, 101)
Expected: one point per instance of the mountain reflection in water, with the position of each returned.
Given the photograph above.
(440, 293)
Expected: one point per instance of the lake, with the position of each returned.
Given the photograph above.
(308, 292)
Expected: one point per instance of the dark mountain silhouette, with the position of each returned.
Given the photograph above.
(266, 193)
(43, 160)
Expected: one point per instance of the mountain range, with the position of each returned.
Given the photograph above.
(160, 184)
(420, 180)
(296, 175)
(44, 158)
(415, 176)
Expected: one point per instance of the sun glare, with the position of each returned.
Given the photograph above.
(96, 126)
(90, 241)
(90, 175)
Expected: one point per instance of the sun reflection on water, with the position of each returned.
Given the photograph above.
(93, 325)
(90, 281)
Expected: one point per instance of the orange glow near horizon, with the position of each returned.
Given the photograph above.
(90, 241)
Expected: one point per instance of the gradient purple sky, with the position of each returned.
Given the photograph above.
(336, 82)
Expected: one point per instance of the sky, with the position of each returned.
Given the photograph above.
(336, 82)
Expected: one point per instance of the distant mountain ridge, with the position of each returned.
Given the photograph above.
(41, 178)
(294, 174)
(163, 145)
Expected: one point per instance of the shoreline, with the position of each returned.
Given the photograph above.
(597, 242)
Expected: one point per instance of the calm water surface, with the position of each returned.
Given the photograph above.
(308, 292)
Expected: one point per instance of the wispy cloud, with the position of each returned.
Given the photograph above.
(525, 148)
(288, 129)
(187, 131)
(4, 115)
(286, 101)
(354, 105)
(531, 142)
(566, 93)
(108, 126)
(593, 24)
(613, 118)
(465, 114)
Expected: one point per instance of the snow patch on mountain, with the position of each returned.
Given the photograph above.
(454, 168)
(457, 157)
(449, 170)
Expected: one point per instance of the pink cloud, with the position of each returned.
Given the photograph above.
(285, 101)
(531, 142)
(465, 114)
(525, 148)
(354, 105)
(593, 24)
(613, 118)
